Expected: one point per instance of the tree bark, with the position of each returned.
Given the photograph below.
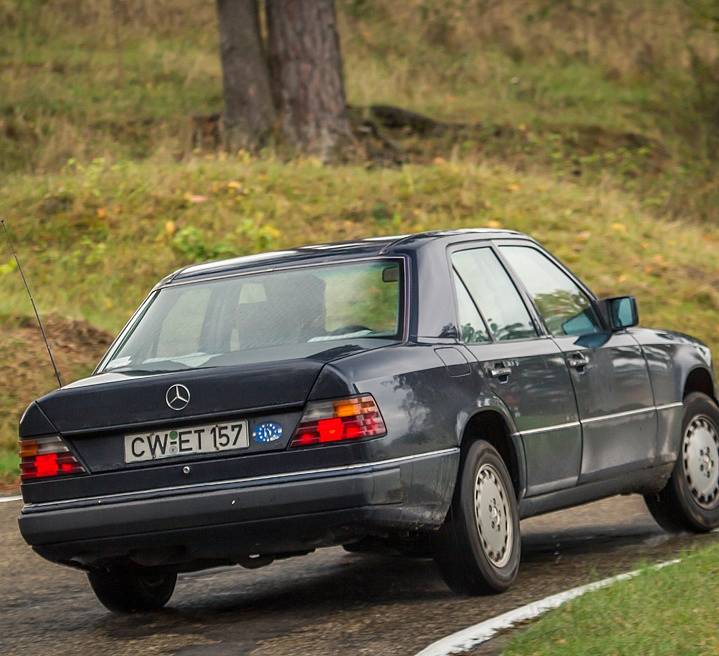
(249, 110)
(306, 75)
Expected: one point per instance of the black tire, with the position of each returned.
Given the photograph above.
(132, 590)
(461, 557)
(677, 508)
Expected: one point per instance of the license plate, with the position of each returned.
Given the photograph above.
(211, 438)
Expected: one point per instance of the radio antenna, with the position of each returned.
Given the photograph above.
(8, 236)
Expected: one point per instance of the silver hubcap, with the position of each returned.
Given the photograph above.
(491, 513)
(701, 460)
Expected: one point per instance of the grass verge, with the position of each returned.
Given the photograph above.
(660, 612)
(571, 87)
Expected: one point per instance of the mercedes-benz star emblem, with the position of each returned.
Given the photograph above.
(177, 397)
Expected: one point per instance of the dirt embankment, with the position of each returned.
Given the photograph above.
(26, 369)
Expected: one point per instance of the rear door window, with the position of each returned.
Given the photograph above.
(471, 326)
(494, 293)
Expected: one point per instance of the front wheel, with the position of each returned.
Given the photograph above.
(479, 544)
(130, 590)
(690, 500)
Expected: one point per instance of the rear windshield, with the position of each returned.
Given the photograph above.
(278, 315)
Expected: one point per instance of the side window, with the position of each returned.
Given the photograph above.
(494, 294)
(565, 308)
(470, 323)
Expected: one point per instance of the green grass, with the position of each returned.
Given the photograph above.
(91, 83)
(9, 462)
(80, 84)
(667, 612)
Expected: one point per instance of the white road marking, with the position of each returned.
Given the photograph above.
(475, 635)
(6, 499)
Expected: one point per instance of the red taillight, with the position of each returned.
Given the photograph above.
(324, 422)
(42, 457)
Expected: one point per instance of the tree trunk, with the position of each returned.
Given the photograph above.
(249, 111)
(306, 75)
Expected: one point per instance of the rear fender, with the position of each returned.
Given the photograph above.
(331, 383)
(35, 422)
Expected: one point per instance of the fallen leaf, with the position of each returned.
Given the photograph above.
(584, 235)
(9, 266)
(274, 233)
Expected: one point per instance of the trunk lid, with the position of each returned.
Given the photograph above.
(112, 401)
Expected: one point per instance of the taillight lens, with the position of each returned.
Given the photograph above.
(42, 457)
(340, 420)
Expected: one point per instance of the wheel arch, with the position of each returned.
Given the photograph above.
(699, 379)
(494, 426)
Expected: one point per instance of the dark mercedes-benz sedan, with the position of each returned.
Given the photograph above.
(421, 393)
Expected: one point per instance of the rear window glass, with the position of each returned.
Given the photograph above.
(282, 314)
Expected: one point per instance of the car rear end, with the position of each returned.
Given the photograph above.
(218, 429)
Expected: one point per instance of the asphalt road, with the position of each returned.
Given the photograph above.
(329, 602)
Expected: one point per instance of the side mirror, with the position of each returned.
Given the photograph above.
(621, 312)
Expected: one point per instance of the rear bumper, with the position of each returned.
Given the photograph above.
(227, 520)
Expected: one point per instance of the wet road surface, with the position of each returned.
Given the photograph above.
(327, 603)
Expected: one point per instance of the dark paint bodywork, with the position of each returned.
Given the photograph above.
(570, 436)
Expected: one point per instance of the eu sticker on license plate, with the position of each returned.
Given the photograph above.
(210, 438)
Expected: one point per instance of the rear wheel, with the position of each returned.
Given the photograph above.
(479, 544)
(690, 500)
(130, 590)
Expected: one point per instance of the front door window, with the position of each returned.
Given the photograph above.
(563, 306)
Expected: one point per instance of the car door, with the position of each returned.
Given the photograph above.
(523, 368)
(608, 370)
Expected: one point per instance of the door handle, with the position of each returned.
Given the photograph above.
(500, 371)
(578, 361)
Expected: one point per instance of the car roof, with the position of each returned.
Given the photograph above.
(367, 247)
